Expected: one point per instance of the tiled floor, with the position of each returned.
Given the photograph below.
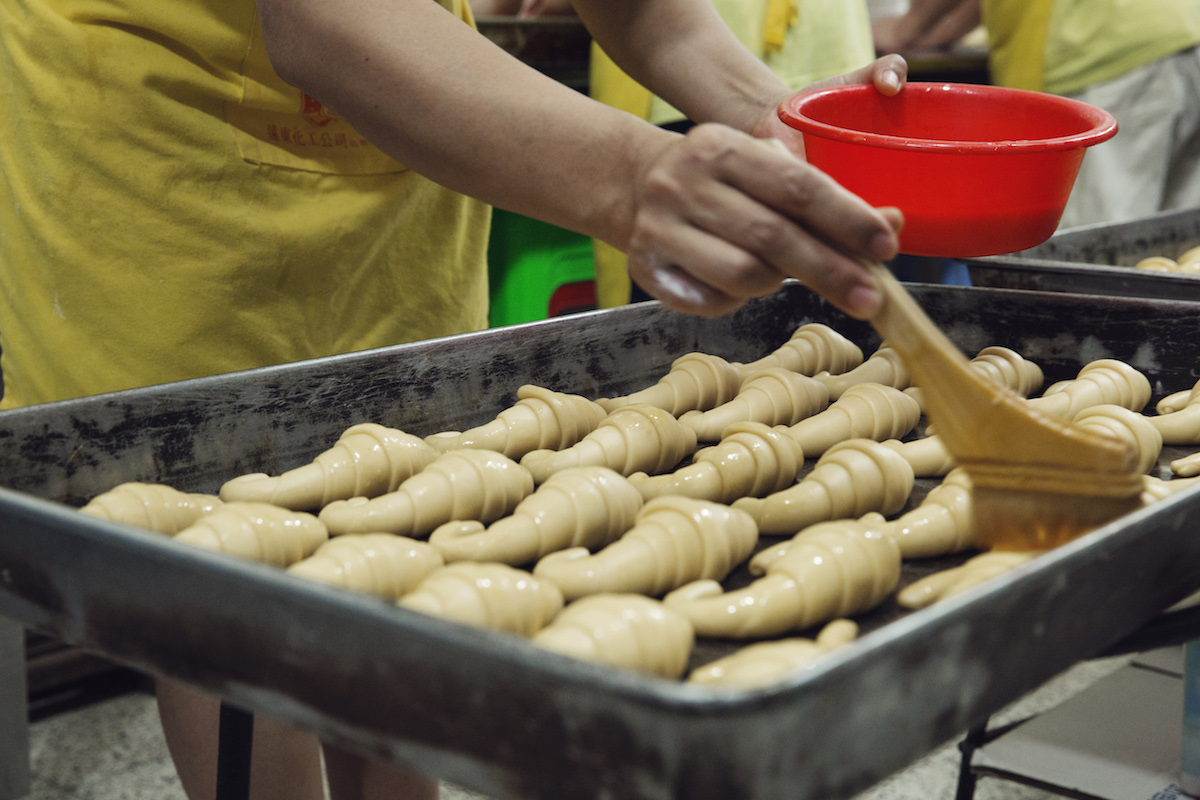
(114, 750)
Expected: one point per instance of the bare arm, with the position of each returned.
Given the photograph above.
(709, 220)
(926, 24)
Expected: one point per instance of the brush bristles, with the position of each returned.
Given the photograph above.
(1028, 519)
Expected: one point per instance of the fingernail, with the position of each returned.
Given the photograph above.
(891, 79)
(864, 302)
(883, 246)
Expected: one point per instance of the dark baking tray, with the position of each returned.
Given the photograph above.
(488, 710)
(1099, 259)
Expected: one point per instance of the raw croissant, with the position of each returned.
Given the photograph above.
(766, 663)
(812, 348)
(884, 366)
(1003, 367)
(1129, 426)
(695, 381)
(1179, 423)
(852, 478)
(579, 507)
(928, 455)
(825, 575)
(774, 396)
(257, 531)
(956, 580)
(673, 541)
(751, 461)
(868, 410)
(152, 506)
(367, 460)
(540, 419)
(637, 438)
(494, 596)
(461, 484)
(1100, 382)
(381, 564)
(621, 630)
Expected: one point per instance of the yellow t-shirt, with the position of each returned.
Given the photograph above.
(1064, 46)
(172, 209)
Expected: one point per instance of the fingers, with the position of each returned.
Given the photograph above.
(888, 73)
(724, 218)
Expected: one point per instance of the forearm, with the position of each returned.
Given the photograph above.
(921, 20)
(444, 101)
(685, 53)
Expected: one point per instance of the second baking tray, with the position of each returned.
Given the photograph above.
(1099, 259)
(490, 711)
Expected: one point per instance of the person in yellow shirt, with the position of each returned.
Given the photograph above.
(193, 188)
(1137, 59)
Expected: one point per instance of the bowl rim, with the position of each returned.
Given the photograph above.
(1103, 124)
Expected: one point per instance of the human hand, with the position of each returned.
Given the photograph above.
(722, 217)
(546, 8)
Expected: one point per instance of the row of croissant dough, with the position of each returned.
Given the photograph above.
(602, 529)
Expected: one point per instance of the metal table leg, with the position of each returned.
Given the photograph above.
(14, 713)
(234, 749)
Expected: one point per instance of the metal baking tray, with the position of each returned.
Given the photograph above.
(1099, 259)
(488, 710)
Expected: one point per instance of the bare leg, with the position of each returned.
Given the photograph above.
(285, 764)
(352, 777)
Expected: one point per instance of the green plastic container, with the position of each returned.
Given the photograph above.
(537, 270)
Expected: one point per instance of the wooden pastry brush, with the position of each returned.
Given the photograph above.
(1037, 481)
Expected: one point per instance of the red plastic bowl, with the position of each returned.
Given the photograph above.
(977, 170)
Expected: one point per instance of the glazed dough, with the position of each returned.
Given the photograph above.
(367, 460)
(152, 506)
(673, 541)
(828, 573)
(1155, 489)
(622, 630)
(1105, 381)
(637, 438)
(579, 507)
(381, 564)
(540, 419)
(1120, 423)
(868, 410)
(751, 461)
(812, 348)
(1187, 466)
(695, 381)
(257, 531)
(774, 396)
(461, 484)
(928, 455)
(1180, 423)
(972, 573)
(1157, 264)
(767, 663)
(1001, 366)
(884, 367)
(494, 596)
(852, 478)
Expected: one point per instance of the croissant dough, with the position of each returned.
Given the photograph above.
(773, 396)
(812, 348)
(956, 580)
(867, 410)
(767, 663)
(1003, 367)
(257, 531)
(461, 484)
(540, 419)
(578, 507)
(828, 573)
(928, 455)
(1179, 417)
(751, 461)
(621, 630)
(1128, 426)
(673, 541)
(885, 366)
(1100, 382)
(695, 381)
(852, 478)
(381, 564)
(367, 460)
(152, 506)
(494, 596)
(636, 438)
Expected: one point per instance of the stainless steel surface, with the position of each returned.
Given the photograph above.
(1098, 259)
(14, 713)
(490, 712)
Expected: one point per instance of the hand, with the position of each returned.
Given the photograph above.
(722, 217)
(546, 8)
